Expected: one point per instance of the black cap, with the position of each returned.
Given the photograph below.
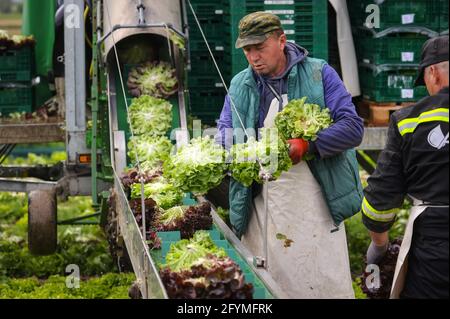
(434, 51)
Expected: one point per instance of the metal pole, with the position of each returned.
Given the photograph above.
(94, 107)
(186, 32)
(75, 80)
(144, 227)
(99, 27)
(266, 221)
(263, 261)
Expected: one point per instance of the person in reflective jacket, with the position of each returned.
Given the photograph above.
(415, 163)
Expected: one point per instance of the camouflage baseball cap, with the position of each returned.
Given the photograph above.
(256, 27)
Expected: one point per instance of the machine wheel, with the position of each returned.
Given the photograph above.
(42, 227)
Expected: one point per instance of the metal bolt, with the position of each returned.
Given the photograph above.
(259, 262)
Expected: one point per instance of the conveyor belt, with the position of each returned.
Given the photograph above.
(144, 265)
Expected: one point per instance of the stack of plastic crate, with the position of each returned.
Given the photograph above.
(16, 73)
(389, 53)
(443, 18)
(207, 92)
(305, 23)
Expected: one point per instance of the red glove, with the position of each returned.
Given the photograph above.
(297, 149)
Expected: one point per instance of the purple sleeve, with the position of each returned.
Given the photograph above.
(225, 122)
(347, 129)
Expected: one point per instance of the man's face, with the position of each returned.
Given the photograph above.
(267, 58)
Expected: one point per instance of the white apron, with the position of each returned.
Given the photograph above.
(317, 263)
(401, 267)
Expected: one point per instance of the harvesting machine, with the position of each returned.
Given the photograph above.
(90, 75)
(96, 129)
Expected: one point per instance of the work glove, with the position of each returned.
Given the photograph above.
(297, 149)
(376, 253)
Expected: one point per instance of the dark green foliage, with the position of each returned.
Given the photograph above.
(110, 286)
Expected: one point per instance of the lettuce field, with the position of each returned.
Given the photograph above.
(23, 275)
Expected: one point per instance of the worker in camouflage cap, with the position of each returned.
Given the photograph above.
(256, 27)
(303, 205)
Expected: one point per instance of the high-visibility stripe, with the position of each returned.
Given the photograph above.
(408, 126)
(378, 215)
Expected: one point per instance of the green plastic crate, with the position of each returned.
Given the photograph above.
(396, 85)
(283, 8)
(16, 100)
(395, 49)
(15, 76)
(212, 26)
(207, 102)
(305, 23)
(206, 118)
(216, 45)
(236, 61)
(17, 65)
(168, 238)
(188, 200)
(443, 17)
(420, 13)
(202, 65)
(207, 82)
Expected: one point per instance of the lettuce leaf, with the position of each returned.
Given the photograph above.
(157, 79)
(197, 167)
(185, 219)
(302, 120)
(161, 191)
(185, 253)
(211, 278)
(150, 151)
(150, 116)
(270, 151)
